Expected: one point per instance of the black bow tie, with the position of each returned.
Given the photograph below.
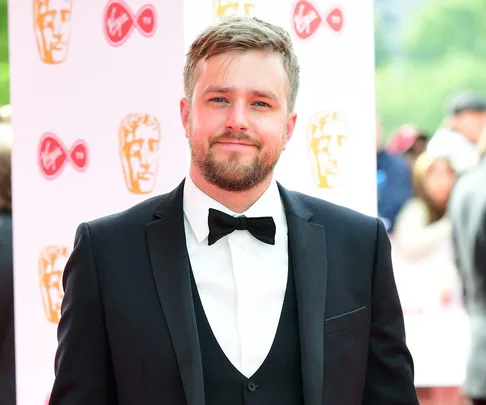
(221, 224)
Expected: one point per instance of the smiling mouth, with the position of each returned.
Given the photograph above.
(235, 143)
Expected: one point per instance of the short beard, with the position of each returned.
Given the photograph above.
(232, 175)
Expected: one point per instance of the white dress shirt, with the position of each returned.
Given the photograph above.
(241, 281)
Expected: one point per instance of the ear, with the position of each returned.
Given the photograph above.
(291, 120)
(184, 109)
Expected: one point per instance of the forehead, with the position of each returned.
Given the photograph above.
(250, 70)
(472, 113)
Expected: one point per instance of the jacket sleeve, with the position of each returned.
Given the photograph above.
(83, 368)
(390, 372)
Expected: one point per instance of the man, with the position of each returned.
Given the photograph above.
(394, 182)
(7, 352)
(232, 289)
(467, 210)
(457, 138)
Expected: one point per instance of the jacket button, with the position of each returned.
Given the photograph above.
(252, 387)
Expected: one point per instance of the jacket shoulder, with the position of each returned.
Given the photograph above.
(342, 219)
(135, 216)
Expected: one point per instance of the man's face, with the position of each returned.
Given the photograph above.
(237, 123)
(51, 267)
(470, 124)
(230, 8)
(140, 156)
(327, 138)
(52, 27)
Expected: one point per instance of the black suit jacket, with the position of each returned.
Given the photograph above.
(7, 353)
(128, 334)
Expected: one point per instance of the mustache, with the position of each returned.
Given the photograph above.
(238, 136)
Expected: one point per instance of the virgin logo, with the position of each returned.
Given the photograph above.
(53, 155)
(120, 21)
(307, 19)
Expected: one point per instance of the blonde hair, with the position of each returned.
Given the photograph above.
(420, 171)
(243, 34)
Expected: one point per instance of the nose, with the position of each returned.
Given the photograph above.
(237, 119)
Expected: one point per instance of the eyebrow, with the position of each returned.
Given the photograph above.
(231, 90)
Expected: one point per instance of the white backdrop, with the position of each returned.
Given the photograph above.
(95, 86)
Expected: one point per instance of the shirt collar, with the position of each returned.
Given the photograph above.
(196, 206)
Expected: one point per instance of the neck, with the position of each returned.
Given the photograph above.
(236, 201)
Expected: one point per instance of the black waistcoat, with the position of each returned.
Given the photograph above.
(277, 381)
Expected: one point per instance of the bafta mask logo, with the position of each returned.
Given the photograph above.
(53, 155)
(52, 27)
(307, 19)
(139, 136)
(120, 21)
(230, 8)
(52, 261)
(327, 138)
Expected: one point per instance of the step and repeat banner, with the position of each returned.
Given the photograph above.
(95, 89)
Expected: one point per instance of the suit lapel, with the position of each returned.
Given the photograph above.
(171, 269)
(307, 249)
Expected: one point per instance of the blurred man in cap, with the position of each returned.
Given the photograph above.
(466, 118)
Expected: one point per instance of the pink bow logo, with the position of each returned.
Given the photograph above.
(120, 21)
(307, 19)
(53, 155)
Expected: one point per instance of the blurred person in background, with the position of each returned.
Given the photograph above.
(423, 232)
(407, 141)
(7, 354)
(461, 129)
(393, 182)
(467, 210)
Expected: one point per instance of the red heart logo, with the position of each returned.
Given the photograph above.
(306, 19)
(52, 155)
(335, 19)
(118, 23)
(79, 155)
(146, 20)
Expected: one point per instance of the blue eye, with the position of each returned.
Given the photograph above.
(261, 104)
(218, 100)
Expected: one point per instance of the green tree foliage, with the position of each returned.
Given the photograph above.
(444, 44)
(4, 71)
(441, 27)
